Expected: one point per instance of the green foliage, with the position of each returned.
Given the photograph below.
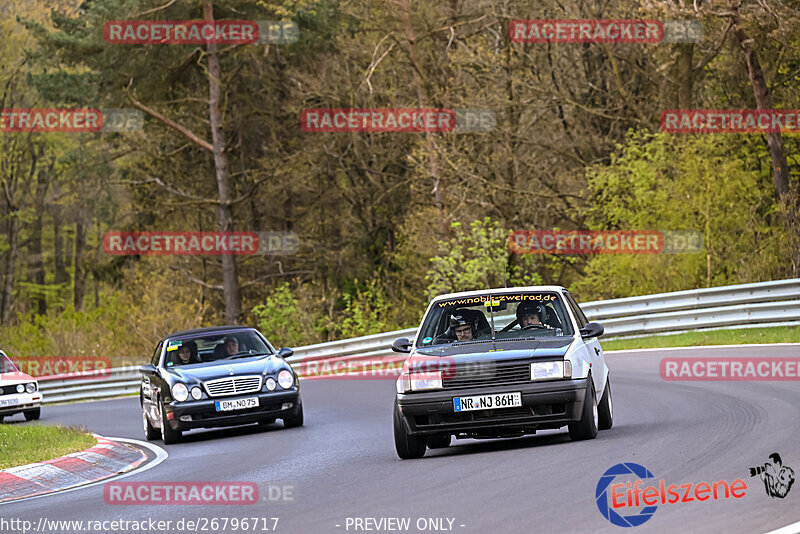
(476, 257)
(711, 184)
(364, 312)
(280, 318)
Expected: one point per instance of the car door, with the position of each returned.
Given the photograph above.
(593, 349)
(151, 385)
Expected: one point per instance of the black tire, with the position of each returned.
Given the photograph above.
(295, 420)
(440, 441)
(605, 409)
(586, 428)
(33, 415)
(408, 447)
(150, 432)
(168, 435)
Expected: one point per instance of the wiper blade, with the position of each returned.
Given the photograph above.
(247, 355)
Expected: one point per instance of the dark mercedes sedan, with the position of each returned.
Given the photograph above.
(214, 377)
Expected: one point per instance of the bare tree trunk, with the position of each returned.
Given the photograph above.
(80, 276)
(230, 277)
(780, 168)
(35, 261)
(62, 276)
(10, 266)
(416, 67)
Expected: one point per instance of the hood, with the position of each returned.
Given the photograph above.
(202, 372)
(500, 351)
(10, 379)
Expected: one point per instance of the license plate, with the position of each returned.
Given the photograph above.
(237, 404)
(487, 402)
(9, 402)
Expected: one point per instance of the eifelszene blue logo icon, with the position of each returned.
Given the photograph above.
(601, 495)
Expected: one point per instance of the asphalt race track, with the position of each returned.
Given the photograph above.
(342, 463)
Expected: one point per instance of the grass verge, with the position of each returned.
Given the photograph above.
(742, 336)
(25, 444)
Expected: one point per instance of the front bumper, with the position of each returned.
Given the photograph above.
(19, 402)
(544, 405)
(203, 412)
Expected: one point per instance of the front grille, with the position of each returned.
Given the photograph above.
(234, 385)
(487, 374)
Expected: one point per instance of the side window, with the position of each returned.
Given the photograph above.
(156, 355)
(581, 318)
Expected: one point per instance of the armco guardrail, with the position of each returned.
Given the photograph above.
(775, 302)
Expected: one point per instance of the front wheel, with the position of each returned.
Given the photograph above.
(295, 420)
(586, 428)
(150, 433)
(408, 447)
(168, 435)
(606, 409)
(33, 415)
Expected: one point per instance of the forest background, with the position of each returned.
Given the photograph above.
(384, 220)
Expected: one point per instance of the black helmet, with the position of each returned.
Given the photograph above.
(460, 319)
(529, 308)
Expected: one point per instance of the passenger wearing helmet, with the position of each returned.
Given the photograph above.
(531, 314)
(462, 327)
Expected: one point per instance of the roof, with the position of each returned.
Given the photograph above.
(208, 329)
(498, 290)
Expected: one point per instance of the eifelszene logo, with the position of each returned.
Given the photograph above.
(625, 496)
(777, 478)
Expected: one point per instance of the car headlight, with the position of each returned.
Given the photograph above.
(180, 392)
(20, 388)
(197, 393)
(427, 380)
(31, 387)
(551, 370)
(285, 379)
(271, 384)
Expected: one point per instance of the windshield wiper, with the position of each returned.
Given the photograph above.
(247, 355)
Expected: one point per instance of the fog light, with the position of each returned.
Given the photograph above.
(287, 405)
(186, 418)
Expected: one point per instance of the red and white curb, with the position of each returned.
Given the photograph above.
(106, 459)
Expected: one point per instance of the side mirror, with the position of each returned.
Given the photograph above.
(401, 344)
(285, 352)
(592, 330)
(148, 369)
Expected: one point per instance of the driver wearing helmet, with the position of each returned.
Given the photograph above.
(462, 327)
(531, 314)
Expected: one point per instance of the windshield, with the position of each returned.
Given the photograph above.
(519, 315)
(189, 350)
(6, 365)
